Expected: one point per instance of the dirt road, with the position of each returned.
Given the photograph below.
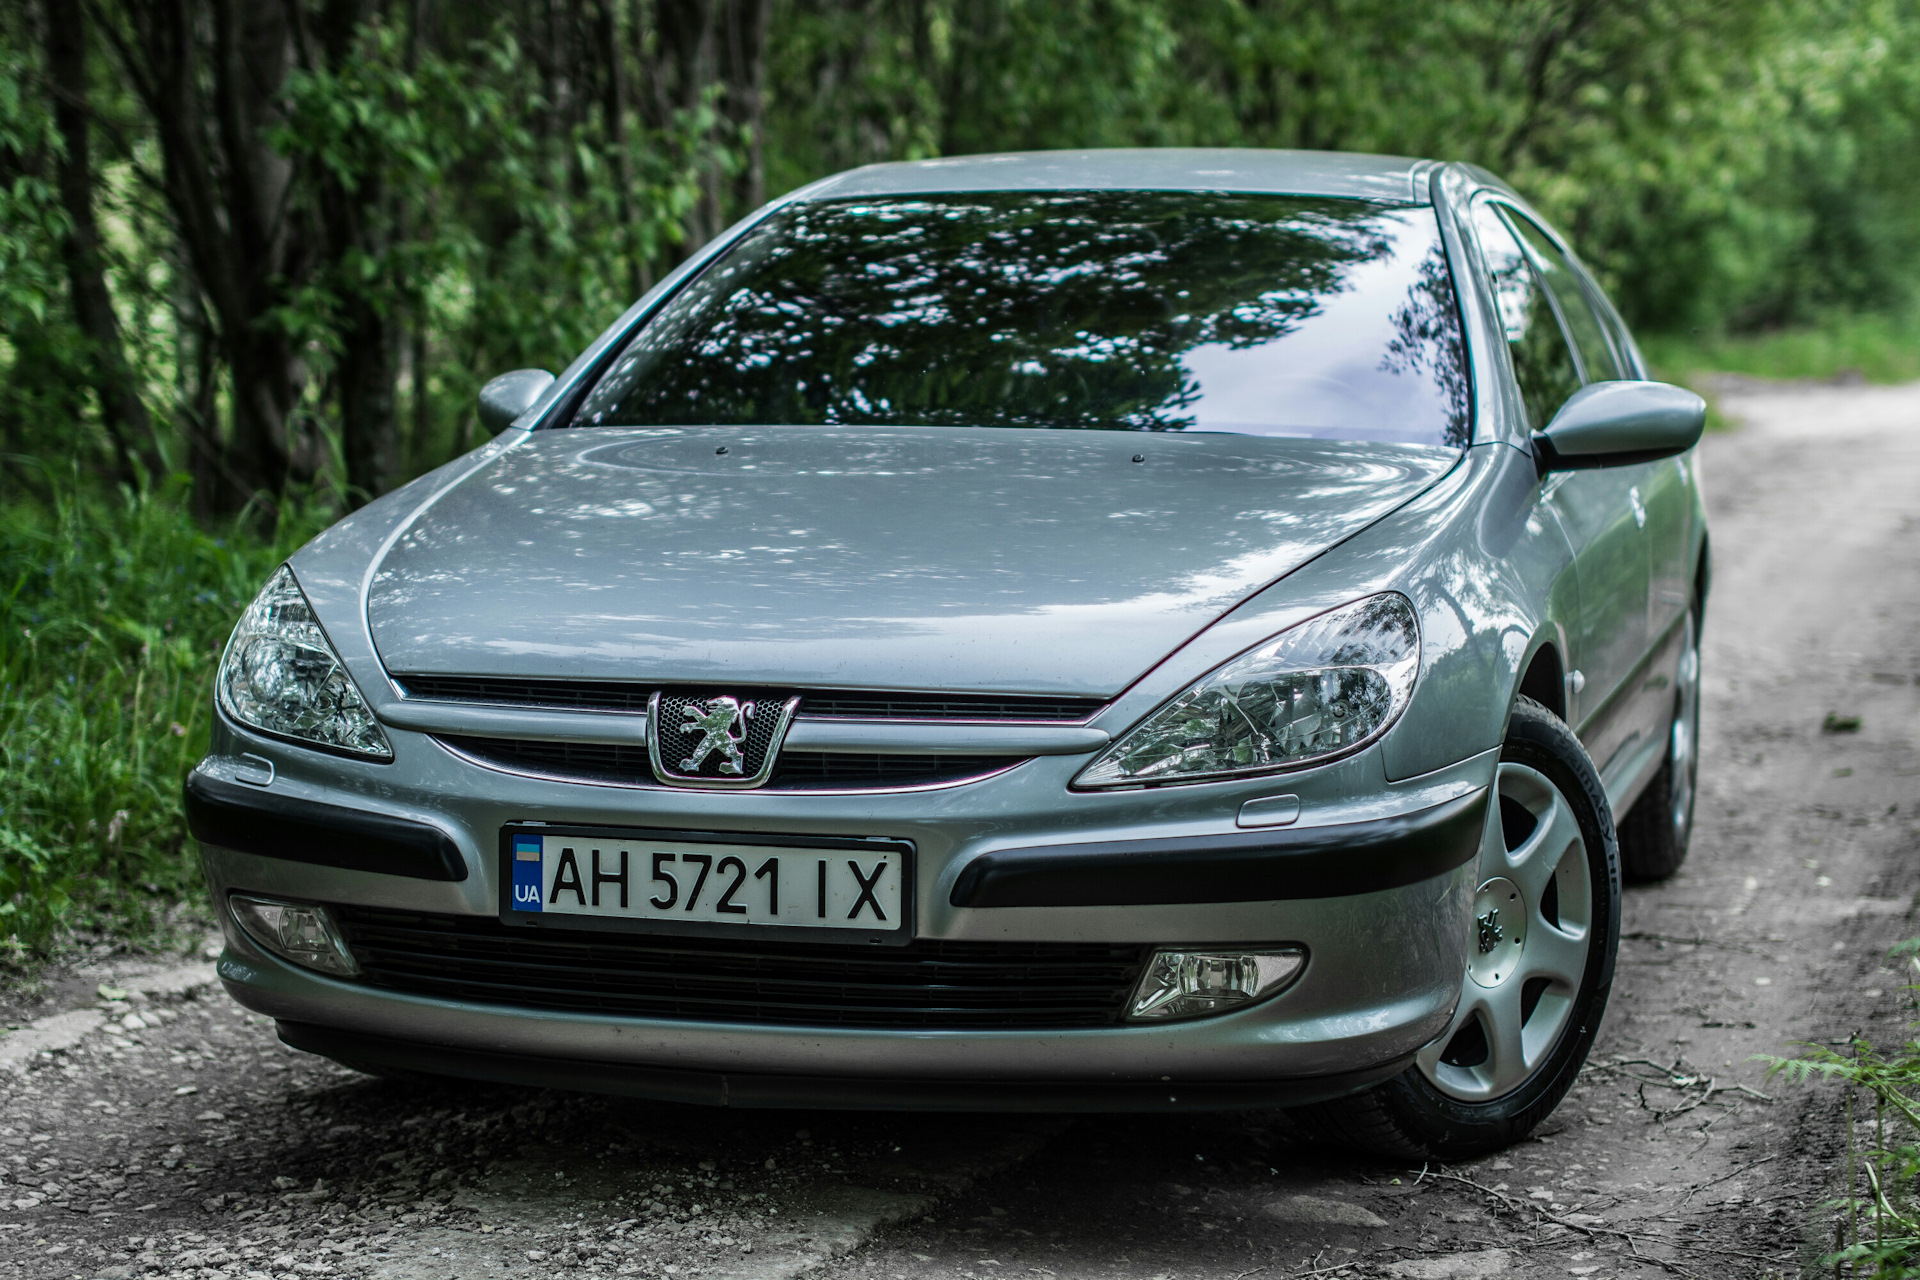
(170, 1134)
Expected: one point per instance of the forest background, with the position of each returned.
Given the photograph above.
(257, 256)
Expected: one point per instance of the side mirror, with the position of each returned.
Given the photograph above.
(1614, 424)
(508, 396)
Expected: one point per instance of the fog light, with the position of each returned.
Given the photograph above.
(297, 931)
(1191, 984)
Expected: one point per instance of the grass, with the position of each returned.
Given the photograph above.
(113, 611)
(1876, 1220)
(1878, 348)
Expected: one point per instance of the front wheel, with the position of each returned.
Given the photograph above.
(1546, 923)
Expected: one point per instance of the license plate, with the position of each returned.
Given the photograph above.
(588, 875)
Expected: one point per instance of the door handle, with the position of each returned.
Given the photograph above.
(1639, 507)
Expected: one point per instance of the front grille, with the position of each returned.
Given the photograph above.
(587, 695)
(607, 695)
(944, 706)
(845, 771)
(792, 771)
(923, 984)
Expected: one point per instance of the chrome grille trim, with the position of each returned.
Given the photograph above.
(820, 704)
(804, 773)
(580, 695)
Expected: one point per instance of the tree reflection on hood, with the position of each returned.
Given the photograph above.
(1136, 310)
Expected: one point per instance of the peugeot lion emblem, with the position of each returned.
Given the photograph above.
(710, 739)
(1491, 934)
(722, 726)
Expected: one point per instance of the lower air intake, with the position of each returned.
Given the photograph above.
(933, 984)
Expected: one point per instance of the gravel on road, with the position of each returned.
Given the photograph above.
(150, 1127)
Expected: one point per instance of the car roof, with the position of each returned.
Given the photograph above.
(1308, 173)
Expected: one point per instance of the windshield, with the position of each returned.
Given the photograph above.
(1116, 310)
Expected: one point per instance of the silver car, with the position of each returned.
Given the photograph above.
(1078, 631)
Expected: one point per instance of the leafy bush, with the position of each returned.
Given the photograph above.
(113, 613)
(1877, 1231)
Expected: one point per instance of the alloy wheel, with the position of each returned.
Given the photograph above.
(1533, 921)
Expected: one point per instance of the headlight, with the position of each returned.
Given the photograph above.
(1317, 690)
(280, 676)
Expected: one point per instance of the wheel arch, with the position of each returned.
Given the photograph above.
(1544, 677)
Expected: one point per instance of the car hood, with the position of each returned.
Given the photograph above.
(992, 560)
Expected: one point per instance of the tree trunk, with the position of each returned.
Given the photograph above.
(420, 406)
(680, 74)
(613, 106)
(744, 69)
(252, 55)
(226, 190)
(370, 428)
(351, 228)
(701, 44)
(122, 412)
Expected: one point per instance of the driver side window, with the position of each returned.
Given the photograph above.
(1543, 362)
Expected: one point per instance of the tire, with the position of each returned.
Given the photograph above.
(1552, 849)
(1658, 828)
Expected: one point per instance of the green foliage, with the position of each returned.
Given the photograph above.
(31, 222)
(1878, 1232)
(855, 83)
(113, 612)
(550, 239)
(492, 186)
(1877, 347)
(1721, 165)
(37, 343)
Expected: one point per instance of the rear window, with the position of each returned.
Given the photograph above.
(1111, 310)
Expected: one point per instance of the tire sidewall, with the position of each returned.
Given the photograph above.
(1682, 835)
(1452, 1128)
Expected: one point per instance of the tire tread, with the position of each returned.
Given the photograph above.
(1361, 1122)
(1648, 850)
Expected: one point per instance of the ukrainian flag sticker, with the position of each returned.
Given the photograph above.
(529, 885)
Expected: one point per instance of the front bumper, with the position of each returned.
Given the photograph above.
(1383, 976)
(848, 1093)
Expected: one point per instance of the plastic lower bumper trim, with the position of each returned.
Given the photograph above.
(1264, 866)
(381, 1054)
(269, 825)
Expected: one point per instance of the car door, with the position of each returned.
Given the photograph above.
(1602, 511)
(1668, 494)
(1633, 723)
